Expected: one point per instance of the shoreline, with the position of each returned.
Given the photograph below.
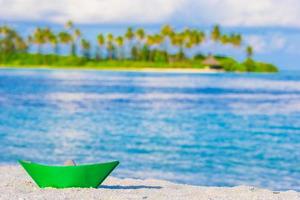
(123, 69)
(16, 184)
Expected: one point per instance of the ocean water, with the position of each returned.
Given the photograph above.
(200, 129)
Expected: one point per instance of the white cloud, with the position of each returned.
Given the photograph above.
(90, 11)
(278, 41)
(254, 12)
(267, 43)
(225, 12)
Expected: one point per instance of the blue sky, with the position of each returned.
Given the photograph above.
(271, 26)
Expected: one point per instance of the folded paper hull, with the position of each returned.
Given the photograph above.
(83, 176)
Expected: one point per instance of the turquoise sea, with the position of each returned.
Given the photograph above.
(201, 129)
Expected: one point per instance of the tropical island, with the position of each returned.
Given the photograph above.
(136, 50)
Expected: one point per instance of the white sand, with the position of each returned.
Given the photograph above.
(16, 184)
(174, 70)
(206, 70)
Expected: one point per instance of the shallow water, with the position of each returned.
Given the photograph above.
(202, 129)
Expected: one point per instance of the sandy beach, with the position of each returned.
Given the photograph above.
(174, 70)
(16, 184)
(121, 69)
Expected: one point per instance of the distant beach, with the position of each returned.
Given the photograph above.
(124, 69)
(135, 48)
(16, 184)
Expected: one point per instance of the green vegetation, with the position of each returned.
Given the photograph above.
(249, 65)
(134, 50)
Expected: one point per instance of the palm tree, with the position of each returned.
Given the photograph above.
(38, 38)
(225, 39)
(86, 46)
(140, 34)
(120, 43)
(195, 38)
(249, 51)
(69, 25)
(10, 42)
(110, 45)
(48, 35)
(129, 35)
(201, 37)
(216, 34)
(101, 43)
(5, 32)
(150, 41)
(236, 40)
(65, 38)
(20, 44)
(77, 33)
(178, 41)
(158, 39)
(166, 31)
(30, 40)
(188, 45)
(75, 39)
(75, 36)
(54, 43)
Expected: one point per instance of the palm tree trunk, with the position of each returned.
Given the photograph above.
(73, 49)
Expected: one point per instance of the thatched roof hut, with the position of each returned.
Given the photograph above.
(212, 62)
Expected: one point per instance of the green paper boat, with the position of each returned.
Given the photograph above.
(82, 176)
